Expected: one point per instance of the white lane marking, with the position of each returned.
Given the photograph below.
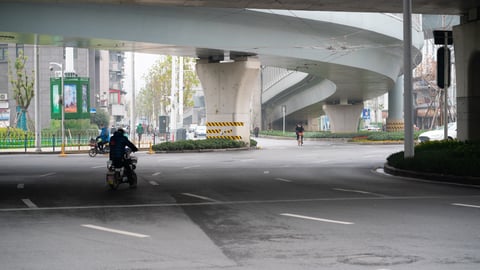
(283, 180)
(199, 197)
(318, 219)
(99, 166)
(167, 204)
(157, 173)
(153, 183)
(266, 172)
(20, 186)
(47, 174)
(114, 231)
(193, 166)
(466, 205)
(358, 191)
(29, 203)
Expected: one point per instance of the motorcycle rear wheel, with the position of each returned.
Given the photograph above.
(116, 182)
(92, 152)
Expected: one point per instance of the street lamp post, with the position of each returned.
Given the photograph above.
(62, 103)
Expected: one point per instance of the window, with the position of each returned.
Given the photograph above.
(3, 52)
(19, 48)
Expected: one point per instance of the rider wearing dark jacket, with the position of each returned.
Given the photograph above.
(118, 142)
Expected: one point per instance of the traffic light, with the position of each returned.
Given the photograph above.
(163, 123)
(441, 67)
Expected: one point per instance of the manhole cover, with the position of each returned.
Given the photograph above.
(377, 259)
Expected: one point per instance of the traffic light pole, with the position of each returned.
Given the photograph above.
(407, 67)
(446, 75)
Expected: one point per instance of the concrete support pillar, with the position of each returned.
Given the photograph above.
(467, 63)
(343, 118)
(313, 122)
(228, 89)
(256, 105)
(395, 107)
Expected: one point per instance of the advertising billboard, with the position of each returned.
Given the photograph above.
(77, 98)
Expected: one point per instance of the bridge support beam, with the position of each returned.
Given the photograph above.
(395, 107)
(343, 118)
(466, 38)
(228, 89)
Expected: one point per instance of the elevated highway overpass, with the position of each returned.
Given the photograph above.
(350, 59)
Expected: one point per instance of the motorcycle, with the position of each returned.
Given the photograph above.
(118, 174)
(94, 149)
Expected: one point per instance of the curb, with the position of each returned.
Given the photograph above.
(207, 150)
(466, 180)
(68, 152)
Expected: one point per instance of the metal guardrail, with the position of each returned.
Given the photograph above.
(52, 142)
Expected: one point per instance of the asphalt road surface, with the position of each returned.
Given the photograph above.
(326, 205)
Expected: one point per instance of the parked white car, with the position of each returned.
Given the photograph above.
(370, 128)
(200, 132)
(438, 134)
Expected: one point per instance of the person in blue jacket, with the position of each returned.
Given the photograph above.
(103, 138)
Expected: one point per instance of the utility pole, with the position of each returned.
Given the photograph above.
(132, 111)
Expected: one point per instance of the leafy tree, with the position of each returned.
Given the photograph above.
(153, 99)
(23, 87)
(100, 118)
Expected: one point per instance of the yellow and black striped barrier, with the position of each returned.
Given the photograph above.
(225, 124)
(214, 131)
(224, 137)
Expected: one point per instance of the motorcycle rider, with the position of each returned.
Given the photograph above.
(103, 137)
(118, 142)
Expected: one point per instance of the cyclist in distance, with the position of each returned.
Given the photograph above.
(103, 138)
(299, 131)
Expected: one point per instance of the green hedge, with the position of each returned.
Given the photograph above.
(443, 157)
(198, 145)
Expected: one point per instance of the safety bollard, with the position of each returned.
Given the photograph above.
(26, 142)
(150, 151)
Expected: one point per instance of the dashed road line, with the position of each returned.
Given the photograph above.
(99, 166)
(359, 191)
(169, 204)
(115, 231)
(153, 183)
(199, 197)
(318, 219)
(283, 179)
(29, 203)
(466, 205)
(47, 174)
(190, 167)
(157, 173)
(20, 186)
(266, 172)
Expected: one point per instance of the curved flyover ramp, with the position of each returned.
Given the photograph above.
(350, 57)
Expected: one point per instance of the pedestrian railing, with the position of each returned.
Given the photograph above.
(52, 141)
